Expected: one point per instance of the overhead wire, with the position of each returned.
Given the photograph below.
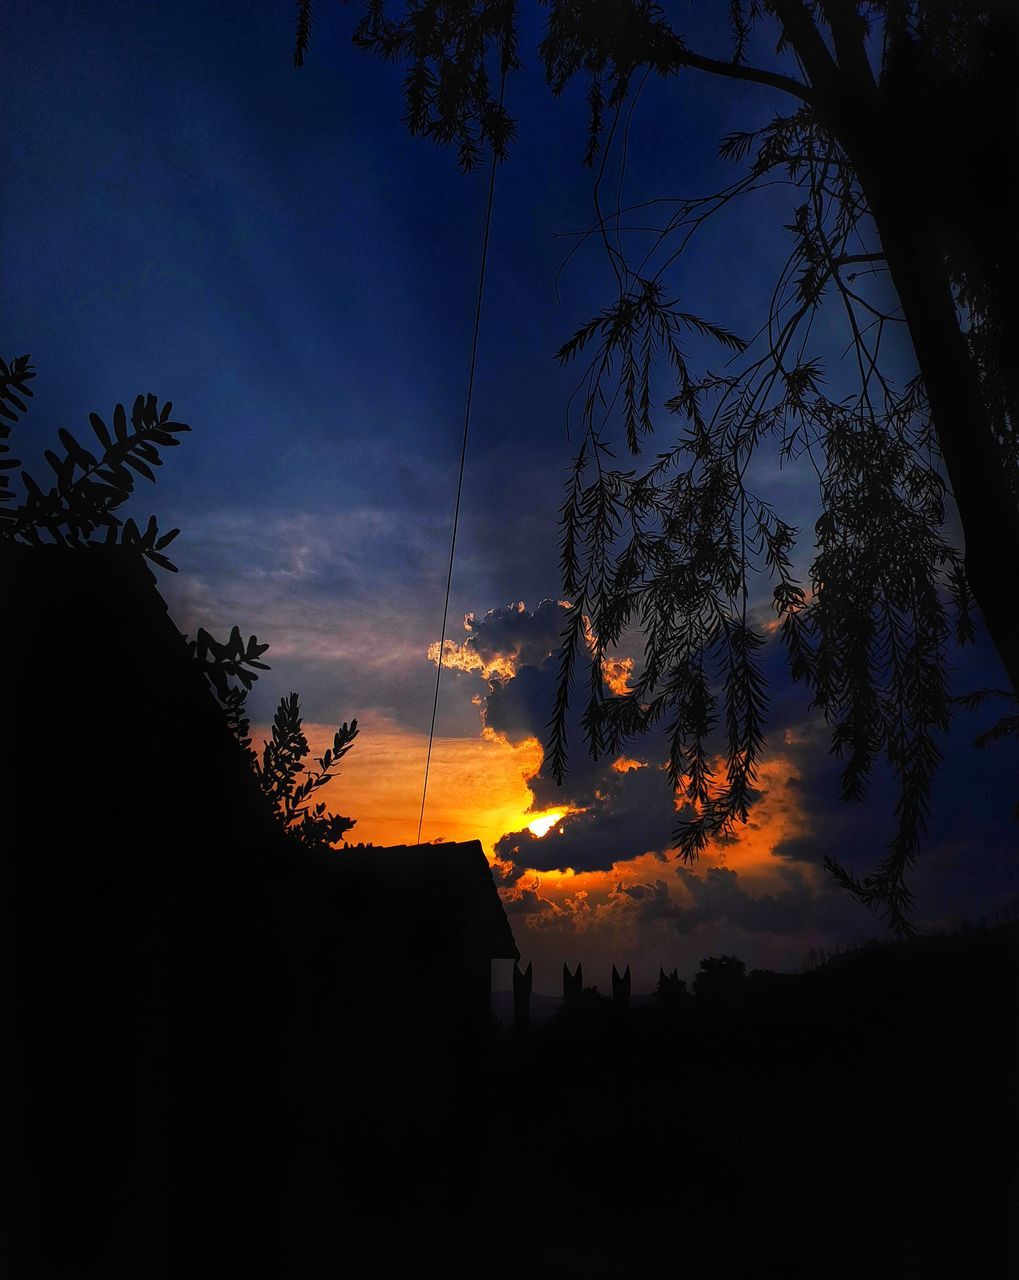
(460, 477)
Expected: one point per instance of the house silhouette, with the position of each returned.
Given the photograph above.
(195, 1004)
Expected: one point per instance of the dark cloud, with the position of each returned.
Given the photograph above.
(655, 901)
(967, 862)
(627, 815)
(527, 637)
(967, 865)
(525, 901)
(521, 706)
(718, 899)
(638, 892)
(717, 896)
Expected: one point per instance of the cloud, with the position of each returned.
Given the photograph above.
(718, 896)
(652, 914)
(603, 882)
(499, 644)
(526, 900)
(966, 864)
(626, 815)
(617, 808)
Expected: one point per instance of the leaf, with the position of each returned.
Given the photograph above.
(82, 457)
(166, 539)
(161, 561)
(139, 466)
(101, 431)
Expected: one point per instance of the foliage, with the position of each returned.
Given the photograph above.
(83, 503)
(280, 775)
(232, 668)
(88, 488)
(448, 86)
(896, 108)
(719, 978)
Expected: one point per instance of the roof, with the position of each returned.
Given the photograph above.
(115, 718)
(434, 898)
(116, 723)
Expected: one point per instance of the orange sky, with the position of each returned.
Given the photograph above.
(478, 790)
(477, 786)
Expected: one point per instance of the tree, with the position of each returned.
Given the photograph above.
(81, 508)
(897, 146)
(231, 669)
(720, 979)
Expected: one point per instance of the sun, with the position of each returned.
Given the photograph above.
(545, 822)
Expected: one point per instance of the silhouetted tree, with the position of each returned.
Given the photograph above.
(290, 786)
(720, 979)
(81, 508)
(900, 149)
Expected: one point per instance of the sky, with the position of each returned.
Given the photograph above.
(187, 214)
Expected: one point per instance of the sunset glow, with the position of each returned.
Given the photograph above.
(544, 823)
(477, 787)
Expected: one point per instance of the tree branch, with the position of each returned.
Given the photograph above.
(803, 35)
(684, 57)
(845, 258)
(849, 29)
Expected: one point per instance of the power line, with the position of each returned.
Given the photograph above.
(460, 478)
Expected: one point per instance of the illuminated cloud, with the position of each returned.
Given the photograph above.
(650, 914)
(617, 808)
(505, 639)
(616, 673)
(459, 657)
(628, 814)
(623, 764)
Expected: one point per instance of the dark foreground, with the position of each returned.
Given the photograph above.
(859, 1121)
(855, 1122)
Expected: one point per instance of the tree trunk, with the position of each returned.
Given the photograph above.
(893, 145)
(974, 460)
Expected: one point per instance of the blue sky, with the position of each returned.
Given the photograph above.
(186, 214)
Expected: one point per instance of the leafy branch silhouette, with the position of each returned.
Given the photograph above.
(88, 489)
(290, 787)
(80, 509)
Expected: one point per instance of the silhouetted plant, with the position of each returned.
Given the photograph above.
(232, 668)
(80, 509)
(291, 787)
(88, 488)
(720, 979)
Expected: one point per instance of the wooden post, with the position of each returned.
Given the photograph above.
(573, 989)
(620, 990)
(522, 996)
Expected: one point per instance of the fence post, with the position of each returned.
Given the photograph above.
(573, 988)
(521, 996)
(620, 990)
